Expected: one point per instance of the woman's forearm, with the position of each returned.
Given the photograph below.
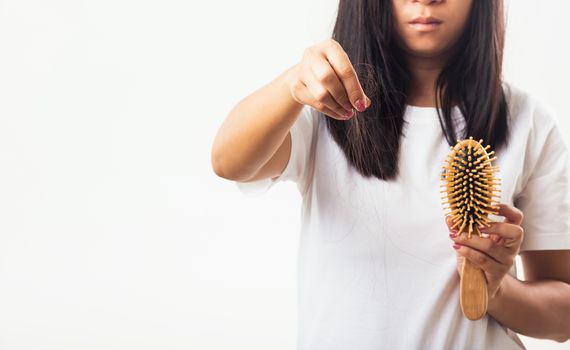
(538, 309)
(254, 130)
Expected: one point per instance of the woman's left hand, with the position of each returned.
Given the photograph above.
(496, 254)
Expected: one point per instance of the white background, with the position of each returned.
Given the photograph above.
(114, 231)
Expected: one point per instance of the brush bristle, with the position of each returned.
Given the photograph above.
(470, 185)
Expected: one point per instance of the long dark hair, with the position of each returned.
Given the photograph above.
(472, 80)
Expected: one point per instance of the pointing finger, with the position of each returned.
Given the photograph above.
(513, 215)
(340, 62)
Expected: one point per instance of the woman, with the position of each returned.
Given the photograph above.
(363, 124)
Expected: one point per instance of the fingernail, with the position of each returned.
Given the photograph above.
(347, 107)
(348, 114)
(452, 234)
(456, 246)
(360, 105)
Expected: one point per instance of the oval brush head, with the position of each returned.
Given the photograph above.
(470, 187)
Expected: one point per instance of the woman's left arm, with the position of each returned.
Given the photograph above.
(538, 307)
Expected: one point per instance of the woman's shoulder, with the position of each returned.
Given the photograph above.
(527, 109)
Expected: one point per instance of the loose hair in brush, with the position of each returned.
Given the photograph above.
(471, 80)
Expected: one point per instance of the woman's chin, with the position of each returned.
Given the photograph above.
(427, 50)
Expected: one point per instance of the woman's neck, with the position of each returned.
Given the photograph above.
(424, 72)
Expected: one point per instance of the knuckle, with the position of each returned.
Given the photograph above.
(332, 43)
(325, 76)
(345, 71)
(321, 95)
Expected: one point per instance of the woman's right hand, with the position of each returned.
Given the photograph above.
(326, 80)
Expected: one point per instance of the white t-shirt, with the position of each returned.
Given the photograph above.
(376, 267)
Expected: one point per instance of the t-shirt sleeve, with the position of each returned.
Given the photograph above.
(300, 161)
(545, 197)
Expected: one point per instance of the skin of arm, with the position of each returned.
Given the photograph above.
(254, 141)
(538, 307)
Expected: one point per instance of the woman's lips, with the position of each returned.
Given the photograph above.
(425, 24)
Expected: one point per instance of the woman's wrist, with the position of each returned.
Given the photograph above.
(284, 81)
(494, 302)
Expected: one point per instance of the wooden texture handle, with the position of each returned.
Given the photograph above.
(473, 291)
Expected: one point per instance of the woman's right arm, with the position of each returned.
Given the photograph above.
(254, 141)
(254, 131)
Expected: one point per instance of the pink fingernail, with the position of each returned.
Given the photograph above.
(360, 105)
(456, 246)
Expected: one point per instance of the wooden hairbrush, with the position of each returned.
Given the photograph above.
(470, 185)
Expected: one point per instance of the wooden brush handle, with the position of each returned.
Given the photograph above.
(473, 291)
